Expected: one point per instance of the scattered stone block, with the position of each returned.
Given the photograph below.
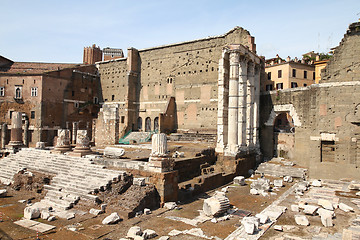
(174, 232)
(111, 219)
(326, 217)
(354, 185)
(134, 231)
(216, 205)
(65, 214)
(31, 212)
(40, 145)
(278, 183)
(301, 220)
(278, 228)
(261, 184)
(225, 189)
(263, 218)
(316, 183)
(251, 224)
(51, 218)
(139, 181)
(345, 207)
(170, 205)
(326, 204)
(164, 238)
(138, 238)
(294, 208)
(113, 152)
(358, 194)
(45, 215)
(22, 201)
(3, 192)
(288, 179)
(95, 212)
(147, 211)
(310, 209)
(254, 191)
(148, 234)
(240, 180)
(103, 207)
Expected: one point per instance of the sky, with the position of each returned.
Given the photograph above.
(57, 31)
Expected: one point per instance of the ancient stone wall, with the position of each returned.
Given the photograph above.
(187, 71)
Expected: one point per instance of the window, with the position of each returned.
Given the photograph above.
(294, 85)
(32, 114)
(279, 73)
(279, 86)
(122, 119)
(34, 91)
(294, 73)
(2, 91)
(112, 97)
(96, 100)
(18, 90)
(76, 104)
(269, 87)
(269, 75)
(313, 75)
(305, 74)
(305, 84)
(72, 93)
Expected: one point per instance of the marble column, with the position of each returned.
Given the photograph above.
(74, 132)
(63, 141)
(4, 129)
(250, 105)
(222, 127)
(256, 107)
(242, 103)
(16, 130)
(159, 160)
(233, 103)
(26, 133)
(82, 143)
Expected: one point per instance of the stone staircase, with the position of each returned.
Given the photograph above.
(74, 177)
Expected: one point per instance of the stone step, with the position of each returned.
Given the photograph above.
(89, 185)
(55, 205)
(64, 191)
(62, 195)
(74, 188)
(60, 202)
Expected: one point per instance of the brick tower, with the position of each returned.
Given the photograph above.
(92, 54)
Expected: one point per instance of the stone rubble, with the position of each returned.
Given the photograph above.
(301, 220)
(310, 209)
(3, 192)
(216, 205)
(261, 184)
(326, 217)
(139, 181)
(345, 207)
(239, 180)
(251, 224)
(111, 219)
(326, 204)
(170, 205)
(316, 183)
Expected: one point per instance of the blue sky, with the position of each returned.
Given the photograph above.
(57, 31)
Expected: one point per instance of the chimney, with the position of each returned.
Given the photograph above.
(288, 59)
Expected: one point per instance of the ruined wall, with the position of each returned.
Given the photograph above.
(187, 71)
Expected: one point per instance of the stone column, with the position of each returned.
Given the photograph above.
(67, 125)
(256, 107)
(159, 160)
(242, 103)
(222, 127)
(250, 105)
(82, 144)
(26, 133)
(3, 135)
(74, 132)
(16, 130)
(63, 141)
(233, 103)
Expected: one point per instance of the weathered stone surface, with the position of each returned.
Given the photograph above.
(254, 191)
(149, 234)
(278, 183)
(261, 184)
(134, 231)
(288, 179)
(216, 205)
(174, 232)
(51, 218)
(95, 212)
(310, 209)
(263, 218)
(240, 180)
(354, 185)
(139, 181)
(326, 217)
(3, 192)
(170, 205)
(301, 220)
(113, 152)
(147, 211)
(251, 224)
(40, 145)
(164, 238)
(31, 212)
(316, 183)
(111, 219)
(278, 228)
(45, 215)
(294, 208)
(345, 207)
(103, 207)
(326, 204)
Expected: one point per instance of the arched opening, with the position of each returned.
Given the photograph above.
(139, 123)
(156, 124)
(147, 124)
(284, 137)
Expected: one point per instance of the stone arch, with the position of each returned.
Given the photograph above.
(278, 109)
(156, 124)
(139, 123)
(148, 124)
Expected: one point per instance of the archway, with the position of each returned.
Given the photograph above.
(284, 137)
(139, 123)
(156, 124)
(148, 124)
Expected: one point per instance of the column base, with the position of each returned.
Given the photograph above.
(61, 150)
(161, 164)
(79, 152)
